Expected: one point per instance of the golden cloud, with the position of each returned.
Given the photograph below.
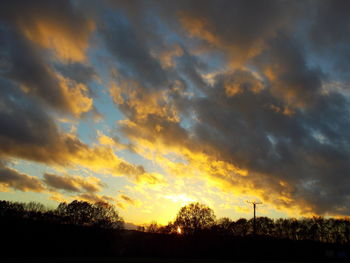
(108, 141)
(65, 149)
(95, 198)
(129, 200)
(75, 95)
(129, 94)
(12, 179)
(186, 158)
(68, 43)
(73, 183)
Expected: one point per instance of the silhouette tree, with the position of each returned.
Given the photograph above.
(105, 215)
(190, 219)
(241, 227)
(264, 226)
(83, 213)
(77, 212)
(34, 207)
(153, 227)
(194, 217)
(167, 229)
(224, 226)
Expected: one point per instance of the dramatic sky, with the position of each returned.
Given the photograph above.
(150, 105)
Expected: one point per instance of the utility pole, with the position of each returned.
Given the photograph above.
(254, 207)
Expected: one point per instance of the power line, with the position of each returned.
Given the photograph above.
(254, 207)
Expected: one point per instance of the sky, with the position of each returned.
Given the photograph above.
(151, 105)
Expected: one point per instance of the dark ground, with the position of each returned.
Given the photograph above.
(152, 260)
(25, 240)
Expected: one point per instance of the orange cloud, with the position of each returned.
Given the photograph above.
(75, 95)
(166, 57)
(185, 158)
(69, 42)
(65, 149)
(203, 28)
(200, 27)
(241, 80)
(131, 94)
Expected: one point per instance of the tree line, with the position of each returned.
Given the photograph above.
(82, 229)
(99, 214)
(192, 219)
(198, 218)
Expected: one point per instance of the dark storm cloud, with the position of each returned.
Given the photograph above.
(77, 71)
(27, 66)
(308, 149)
(330, 34)
(285, 65)
(18, 10)
(44, 70)
(26, 33)
(23, 120)
(51, 24)
(281, 126)
(241, 23)
(131, 51)
(27, 129)
(29, 132)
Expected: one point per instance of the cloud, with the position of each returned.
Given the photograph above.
(136, 102)
(284, 64)
(129, 201)
(127, 46)
(11, 178)
(28, 132)
(329, 36)
(243, 144)
(271, 122)
(58, 26)
(73, 183)
(76, 95)
(240, 32)
(29, 69)
(79, 72)
(258, 128)
(35, 25)
(95, 198)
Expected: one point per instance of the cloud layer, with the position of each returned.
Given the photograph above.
(250, 96)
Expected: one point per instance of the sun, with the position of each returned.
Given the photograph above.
(178, 230)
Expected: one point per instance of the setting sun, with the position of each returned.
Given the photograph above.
(178, 230)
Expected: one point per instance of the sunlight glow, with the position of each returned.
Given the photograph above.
(178, 230)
